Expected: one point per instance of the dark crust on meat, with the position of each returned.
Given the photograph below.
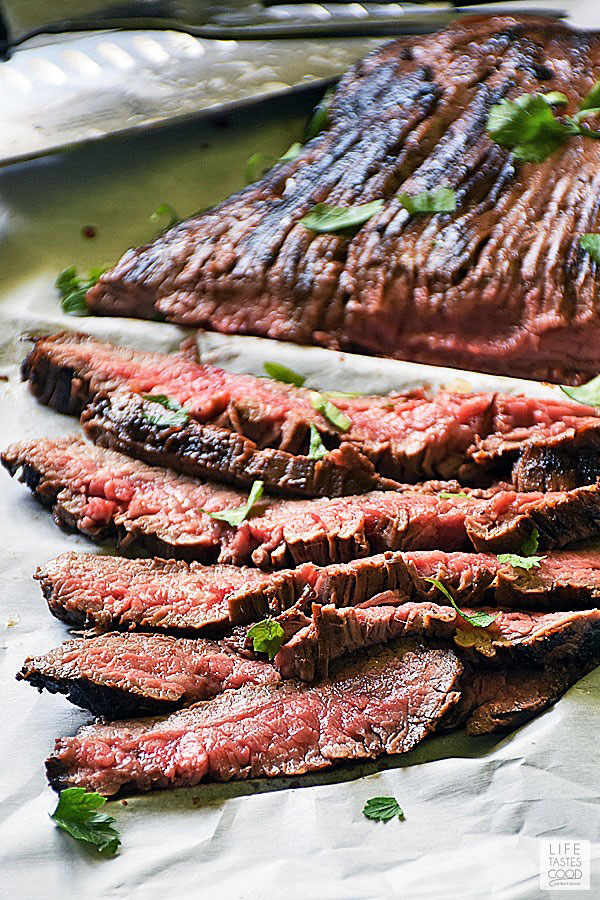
(117, 421)
(502, 285)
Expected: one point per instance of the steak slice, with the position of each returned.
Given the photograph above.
(514, 636)
(106, 495)
(500, 285)
(241, 427)
(381, 704)
(152, 594)
(120, 675)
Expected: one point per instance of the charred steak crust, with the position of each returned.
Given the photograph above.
(501, 285)
(242, 427)
(381, 704)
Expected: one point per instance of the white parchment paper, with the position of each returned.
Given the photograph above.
(475, 808)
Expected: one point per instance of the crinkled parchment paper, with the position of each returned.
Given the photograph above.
(475, 808)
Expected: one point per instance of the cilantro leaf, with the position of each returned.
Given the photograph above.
(165, 216)
(479, 619)
(76, 814)
(317, 449)
(520, 562)
(382, 809)
(72, 290)
(439, 201)
(328, 409)
(590, 243)
(588, 393)
(282, 373)
(591, 100)
(173, 413)
(326, 219)
(259, 164)
(238, 515)
(267, 637)
(527, 126)
(320, 115)
(448, 495)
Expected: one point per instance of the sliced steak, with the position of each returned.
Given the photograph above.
(381, 704)
(241, 427)
(500, 285)
(106, 495)
(530, 638)
(152, 594)
(119, 675)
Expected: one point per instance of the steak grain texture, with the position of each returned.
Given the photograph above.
(241, 428)
(106, 495)
(120, 675)
(500, 285)
(378, 705)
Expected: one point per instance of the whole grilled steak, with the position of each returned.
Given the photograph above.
(514, 637)
(107, 592)
(381, 704)
(241, 428)
(119, 675)
(500, 285)
(103, 494)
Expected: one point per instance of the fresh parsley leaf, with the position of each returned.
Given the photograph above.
(448, 495)
(238, 515)
(591, 100)
(172, 414)
(382, 809)
(325, 219)
(531, 543)
(588, 393)
(267, 637)
(330, 411)
(320, 115)
(520, 562)
(282, 373)
(439, 201)
(317, 449)
(591, 244)
(479, 619)
(72, 290)
(259, 164)
(527, 126)
(165, 216)
(76, 814)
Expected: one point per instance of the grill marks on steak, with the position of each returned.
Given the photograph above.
(119, 675)
(490, 287)
(243, 427)
(381, 704)
(104, 494)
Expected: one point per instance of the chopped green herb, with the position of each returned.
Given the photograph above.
(165, 216)
(588, 393)
(591, 100)
(76, 813)
(317, 449)
(527, 126)
(72, 290)
(267, 637)
(292, 152)
(520, 562)
(382, 809)
(343, 394)
(555, 98)
(320, 116)
(172, 414)
(282, 373)
(439, 201)
(448, 495)
(531, 543)
(330, 411)
(479, 619)
(325, 219)
(591, 244)
(259, 164)
(238, 515)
